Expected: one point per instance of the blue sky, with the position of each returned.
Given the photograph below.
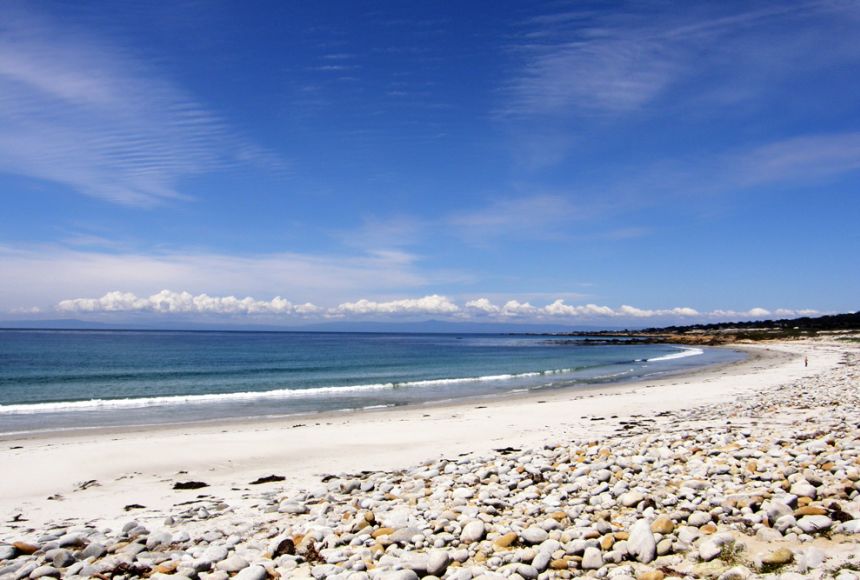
(559, 161)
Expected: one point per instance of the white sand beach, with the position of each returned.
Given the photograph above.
(44, 474)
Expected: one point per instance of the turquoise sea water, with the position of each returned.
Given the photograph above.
(70, 379)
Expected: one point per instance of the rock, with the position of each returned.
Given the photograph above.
(232, 564)
(506, 540)
(400, 575)
(699, 519)
(641, 544)
(592, 559)
(736, 573)
(25, 547)
(252, 573)
(663, 525)
(158, 539)
(709, 550)
(631, 498)
(8, 552)
(559, 564)
(778, 557)
(45, 571)
(294, 508)
(542, 560)
(814, 524)
(696, 484)
(473, 532)
(94, 550)
(437, 562)
(534, 535)
(651, 575)
(62, 558)
(804, 489)
(768, 535)
(71, 541)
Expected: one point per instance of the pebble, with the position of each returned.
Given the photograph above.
(641, 543)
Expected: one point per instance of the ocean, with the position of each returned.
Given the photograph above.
(56, 379)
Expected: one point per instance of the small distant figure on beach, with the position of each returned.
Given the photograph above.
(805, 360)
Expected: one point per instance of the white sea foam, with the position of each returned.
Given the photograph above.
(143, 402)
(683, 353)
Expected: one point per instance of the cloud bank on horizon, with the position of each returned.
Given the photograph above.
(167, 302)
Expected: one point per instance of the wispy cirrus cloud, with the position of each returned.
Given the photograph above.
(614, 62)
(86, 112)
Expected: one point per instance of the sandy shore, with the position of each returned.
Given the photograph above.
(44, 475)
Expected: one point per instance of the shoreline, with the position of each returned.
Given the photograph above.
(132, 465)
(165, 404)
(750, 355)
(752, 467)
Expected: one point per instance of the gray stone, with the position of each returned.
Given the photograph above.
(94, 550)
(473, 532)
(71, 540)
(803, 488)
(736, 573)
(534, 535)
(631, 498)
(62, 558)
(252, 573)
(699, 519)
(814, 524)
(400, 575)
(641, 544)
(709, 550)
(542, 560)
(232, 564)
(43, 571)
(437, 562)
(294, 508)
(592, 559)
(213, 554)
(7, 552)
(768, 534)
(158, 539)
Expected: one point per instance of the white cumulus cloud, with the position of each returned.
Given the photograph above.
(433, 304)
(169, 302)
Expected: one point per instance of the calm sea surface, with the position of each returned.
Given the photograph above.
(70, 379)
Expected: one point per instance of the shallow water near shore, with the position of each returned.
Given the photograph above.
(73, 379)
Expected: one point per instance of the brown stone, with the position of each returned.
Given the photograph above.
(803, 500)
(167, 567)
(778, 557)
(506, 540)
(25, 548)
(708, 529)
(810, 510)
(752, 466)
(560, 564)
(558, 516)
(382, 532)
(606, 542)
(622, 536)
(651, 575)
(662, 525)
